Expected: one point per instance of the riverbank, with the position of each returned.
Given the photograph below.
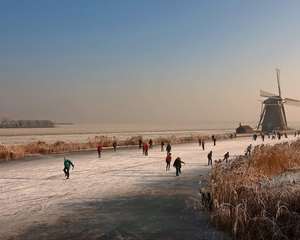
(40, 147)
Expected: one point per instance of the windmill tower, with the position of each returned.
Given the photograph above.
(273, 113)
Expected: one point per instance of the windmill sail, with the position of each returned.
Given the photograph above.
(292, 102)
(268, 95)
(278, 81)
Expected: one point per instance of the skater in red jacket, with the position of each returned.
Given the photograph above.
(145, 149)
(99, 150)
(168, 161)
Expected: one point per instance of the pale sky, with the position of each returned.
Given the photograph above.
(144, 62)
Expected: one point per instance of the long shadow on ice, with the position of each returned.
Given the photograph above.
(158, 211)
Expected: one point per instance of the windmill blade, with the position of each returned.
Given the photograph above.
(268, 95)
(278, 80)
(292, 102)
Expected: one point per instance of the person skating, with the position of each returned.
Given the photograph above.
(226, 156)
(248, 150)
(168, 161)
(203, 144)
(209, 158)
(115, 144)
(177, 165)
(67, 164)
(162, 146)
(199, 141)
(99, 150)
(254, 137)
(150, 144)
(214, 139)
(145, 149)
(262, 137)
(168, 148)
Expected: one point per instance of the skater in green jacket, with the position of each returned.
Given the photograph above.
(67, 164)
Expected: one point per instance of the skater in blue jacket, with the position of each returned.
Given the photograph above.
(115, 144)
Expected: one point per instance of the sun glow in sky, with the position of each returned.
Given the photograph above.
(146, 62)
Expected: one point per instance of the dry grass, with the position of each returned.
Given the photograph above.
(246, 202)
(39, 147)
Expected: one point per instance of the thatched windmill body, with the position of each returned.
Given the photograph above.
(272, 112)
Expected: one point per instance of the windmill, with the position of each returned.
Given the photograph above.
(272, 110)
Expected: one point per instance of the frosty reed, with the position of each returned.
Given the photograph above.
(41, 147)
(247, 201)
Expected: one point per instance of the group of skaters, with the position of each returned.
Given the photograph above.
(141, 143)
(202, 141)
(177, 163)
(100, 147)
(273, 135)
(279, 135)
(145, 146)
(226, 155)
(209, 158)
(209, 155)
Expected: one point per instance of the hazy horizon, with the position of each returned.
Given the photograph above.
(147, 62)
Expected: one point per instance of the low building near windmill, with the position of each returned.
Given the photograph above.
(244, 129)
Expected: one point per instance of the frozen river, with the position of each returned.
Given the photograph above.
(123, 195)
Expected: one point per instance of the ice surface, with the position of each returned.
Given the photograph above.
(37, 202)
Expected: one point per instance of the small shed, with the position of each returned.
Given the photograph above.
(244, 129)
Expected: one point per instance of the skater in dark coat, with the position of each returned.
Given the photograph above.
(168, 148)
(214, 139)
(263, 137)
(248, 150)
(226, 156)
(150, 144)
(177, 165)
(209, 157)
(203, 144)
(67, 166)
(162, 146)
